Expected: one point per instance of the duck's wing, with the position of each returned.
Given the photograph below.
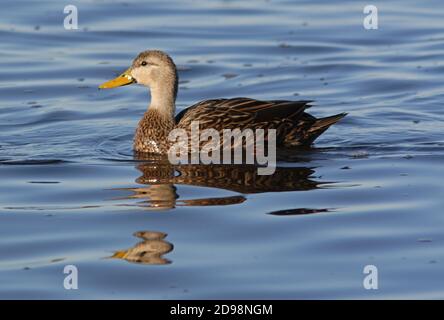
(190, 111)
(241, 113)
(294, 127)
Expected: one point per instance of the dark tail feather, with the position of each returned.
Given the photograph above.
(321, 125)
(324, 123)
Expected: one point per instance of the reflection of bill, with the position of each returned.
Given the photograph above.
(148, 251)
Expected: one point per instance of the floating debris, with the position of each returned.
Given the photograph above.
(284, 45)
(229, 75)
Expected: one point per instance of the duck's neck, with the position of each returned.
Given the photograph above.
(157, 122)
(163, 99)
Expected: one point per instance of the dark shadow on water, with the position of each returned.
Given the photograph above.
(298, 211)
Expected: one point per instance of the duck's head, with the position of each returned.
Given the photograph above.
(151, 68)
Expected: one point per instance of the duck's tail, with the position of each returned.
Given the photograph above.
(320, 125)
(306, 136)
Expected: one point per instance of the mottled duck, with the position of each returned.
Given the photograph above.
(157, 71)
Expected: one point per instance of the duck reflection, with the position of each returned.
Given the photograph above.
(158, 180)
(148, 251)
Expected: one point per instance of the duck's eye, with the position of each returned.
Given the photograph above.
(144, 63)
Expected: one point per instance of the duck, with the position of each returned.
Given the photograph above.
(157, 71)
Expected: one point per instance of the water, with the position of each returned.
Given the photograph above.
(369, 193)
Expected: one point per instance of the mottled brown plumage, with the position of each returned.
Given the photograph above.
(156, 70)
(153, 129)
(293, 126)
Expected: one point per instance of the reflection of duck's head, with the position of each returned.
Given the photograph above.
(156, 196)
(148, 251)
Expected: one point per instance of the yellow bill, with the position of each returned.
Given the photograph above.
(119, 255)
(122, 80)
